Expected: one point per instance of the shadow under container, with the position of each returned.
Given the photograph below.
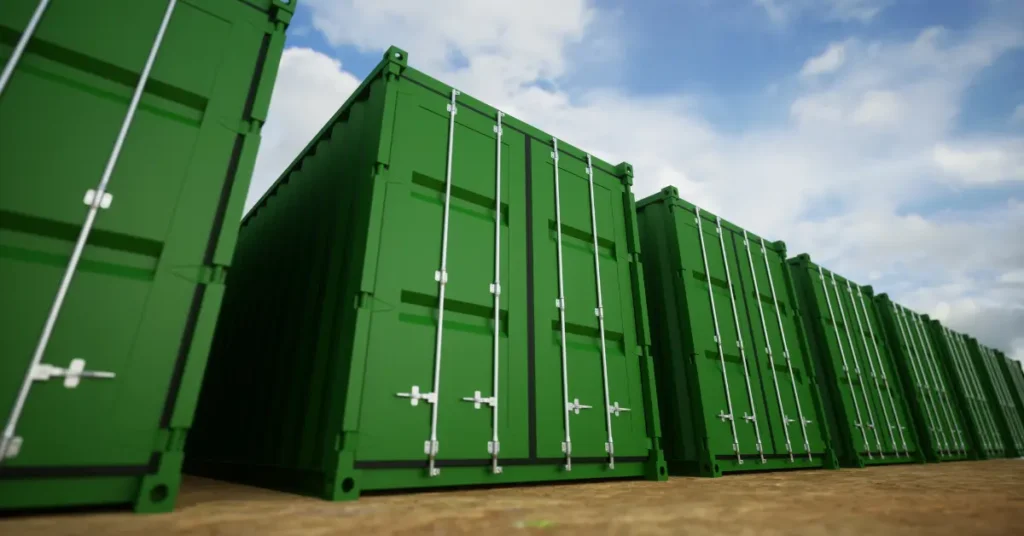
(433, 294)
(736, 382)
(870, 418)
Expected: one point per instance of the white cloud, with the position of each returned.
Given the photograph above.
(1012, 277)
(982, 163)
(828, 61)
(833, 180)
(785, 11)
(1018, 114)
(310, 87)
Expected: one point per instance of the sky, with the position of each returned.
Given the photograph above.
(883, 137)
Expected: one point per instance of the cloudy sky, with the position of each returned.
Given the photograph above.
(883, 137)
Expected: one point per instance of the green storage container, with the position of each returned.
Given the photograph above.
(369, 341)
(735, 377)
(996, 385)
(1014, 373)
(939, 418)
(98, 399)
(869, 415)
(966, 379)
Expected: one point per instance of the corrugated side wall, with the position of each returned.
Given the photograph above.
(267, 397)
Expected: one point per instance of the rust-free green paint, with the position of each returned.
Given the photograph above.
(111, 282)
(1014, 374)
(368, 341)
(870, 419)
(944, 430)
(736, 381)
(1001, 407)
(965, 380)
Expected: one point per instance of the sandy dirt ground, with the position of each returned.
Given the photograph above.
(965, 498)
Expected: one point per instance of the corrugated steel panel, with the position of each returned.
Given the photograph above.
(942, 426)
(870, 417)
(143, 259)
(736, 381)
(1014, 374)
(333, 371)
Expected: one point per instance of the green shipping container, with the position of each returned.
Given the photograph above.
(995, 384)
(968, 387)
(940, 420)
(1014, 374)
(870, 419)
(433, 294)
(735, 377)
(151, 111)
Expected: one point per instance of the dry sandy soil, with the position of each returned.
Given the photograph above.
(966, 498)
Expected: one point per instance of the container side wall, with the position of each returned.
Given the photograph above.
(273, 398)
(147, 291)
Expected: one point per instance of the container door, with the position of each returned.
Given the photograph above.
(587, 363)
(140, 303)
(729, 391)
(431, 377)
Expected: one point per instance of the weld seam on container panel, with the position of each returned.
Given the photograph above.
(402, 183)
(132, 319)
(719, 319)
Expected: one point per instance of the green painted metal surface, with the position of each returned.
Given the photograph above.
(333, 371)
(996, 385)
(145, 294)
(735, 378)
(968, 387)
(870, 418)
(942, 429)
(1014, 374)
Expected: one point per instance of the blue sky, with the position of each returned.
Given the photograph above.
(883, 137)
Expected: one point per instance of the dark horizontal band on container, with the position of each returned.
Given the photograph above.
(796, 456)
(82, 471)
(486, 462)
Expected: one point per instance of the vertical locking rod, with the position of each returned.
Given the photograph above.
(874, 373)
(560, 303)
(610, 445)
(768, 347)
(972, 396)
(915, 358)
(94, 206)
(983, 409)
(739, 342)
(846, 365)
(718, 341)
(785, 349)
(885, 377)
(496, 290)
(856, 367)
(19, 48)
(940, 384)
